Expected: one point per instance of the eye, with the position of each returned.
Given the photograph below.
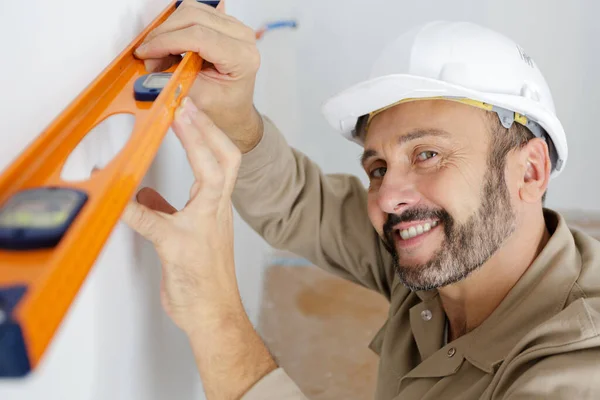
(378, 172)
(426, 155)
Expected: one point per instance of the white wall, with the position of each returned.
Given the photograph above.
(115, 343)
(338, 39)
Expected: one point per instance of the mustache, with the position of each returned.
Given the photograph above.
(415, 214)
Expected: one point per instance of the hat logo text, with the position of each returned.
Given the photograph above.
(525, 57)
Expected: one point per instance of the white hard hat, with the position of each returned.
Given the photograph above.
(458, 61)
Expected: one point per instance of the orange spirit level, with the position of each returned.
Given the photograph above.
(51, 231)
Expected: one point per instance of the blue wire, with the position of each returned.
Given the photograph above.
(281, 24)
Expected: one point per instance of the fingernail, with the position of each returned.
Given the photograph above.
(182, 115)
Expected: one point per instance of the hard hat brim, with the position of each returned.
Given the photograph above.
(343, 110)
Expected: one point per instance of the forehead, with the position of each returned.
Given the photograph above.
(461, 122)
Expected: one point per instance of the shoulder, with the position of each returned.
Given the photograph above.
(579, 319)
(559, 358)
(584, 234)
(556, 360)
(584, 299)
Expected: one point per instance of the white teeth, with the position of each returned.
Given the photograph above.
(417, 230)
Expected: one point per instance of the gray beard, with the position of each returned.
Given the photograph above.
(465, 247)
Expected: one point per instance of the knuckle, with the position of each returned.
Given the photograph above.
(198, 30)
(184, 7)
(146, 224)
(254, 59)
(215, 19)
(144, 221)
(249, 33)
(139, 216)
(201, 32)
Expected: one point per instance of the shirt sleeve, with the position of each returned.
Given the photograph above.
(572, 375)
(277, 385)
(287, 200)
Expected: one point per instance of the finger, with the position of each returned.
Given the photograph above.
(154, 201)
(221, 6)
(225, 151)
(193, 13)
(148, 223)
(193, 192)
(213, 46)
(208, 173)
(194, 189)
(161, 64)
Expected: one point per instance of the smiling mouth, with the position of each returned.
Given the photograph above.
(416, 230)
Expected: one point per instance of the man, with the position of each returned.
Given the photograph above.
(491, 295)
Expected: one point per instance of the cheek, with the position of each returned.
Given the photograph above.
(376, 215)
(456, 193)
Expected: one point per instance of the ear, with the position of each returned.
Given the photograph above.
(535, 160)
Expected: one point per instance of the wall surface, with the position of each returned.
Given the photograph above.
(116, 342)
(337, 41)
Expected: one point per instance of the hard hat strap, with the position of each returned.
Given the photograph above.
(507, 117)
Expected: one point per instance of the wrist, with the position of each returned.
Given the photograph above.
(252, 132)
(226, 347)
(215, 311)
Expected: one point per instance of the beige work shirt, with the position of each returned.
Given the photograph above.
(542, 342)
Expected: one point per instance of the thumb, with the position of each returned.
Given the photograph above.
(148, 223)
(221, 6)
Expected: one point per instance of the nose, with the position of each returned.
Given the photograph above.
(396, 194)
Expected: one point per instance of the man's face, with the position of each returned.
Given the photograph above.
(439, 208)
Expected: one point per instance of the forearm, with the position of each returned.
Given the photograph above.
(230, 355)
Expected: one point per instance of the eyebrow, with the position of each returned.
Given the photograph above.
(413, 135)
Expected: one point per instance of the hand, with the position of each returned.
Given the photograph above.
(224, 89)
(195, 245)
